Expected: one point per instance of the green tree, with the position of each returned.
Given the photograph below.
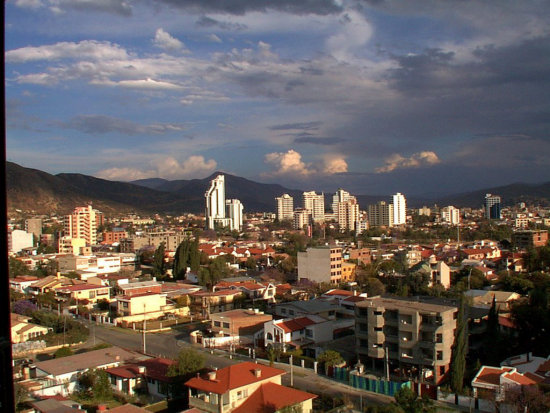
(407, 400)
(94, 384)
(459, 348)
(63, 352)
(159, 265)
(17, 267)
(187, 255)
(187, 364)
(251, 263)
(330, 358)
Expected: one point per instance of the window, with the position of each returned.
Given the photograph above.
(309, 333)
(225, 325)
(439, 338)
(440, 355)
(291, 312)
(217, 324)
(283, 310)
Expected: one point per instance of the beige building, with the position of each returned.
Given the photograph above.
(285, 207)
(414, 335)
(23, 331)
(88, 292)
(74, 246)
(347, 214)
(302, 217)
(82, 223)
(321, 264)
(141, 304)
(238, 322)
(380, 214)
(315, 204)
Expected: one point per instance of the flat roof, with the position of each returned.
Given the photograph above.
(412, 303)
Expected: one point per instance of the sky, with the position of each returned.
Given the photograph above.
(421, 97)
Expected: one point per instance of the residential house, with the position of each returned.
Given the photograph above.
(22, 330)
(21, 283)
(145, 303)
(84, 292)
(150, 375)
(209, 302)
(244, 388)
(306, 308)
(140, 287)
(439, 273)
(239, 322)
(493, 383)
(251, 289)
(56, 405)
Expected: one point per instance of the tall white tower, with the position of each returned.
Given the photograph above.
(399, 209)
(285, 207)
(215, 201)
(339, 196)
(235, 214)
(315, 204)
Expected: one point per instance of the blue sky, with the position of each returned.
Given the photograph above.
(417, 96)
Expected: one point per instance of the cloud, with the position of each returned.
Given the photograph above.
(355, 31)
(196, 166)
(100, 124)
(29, 4)
(213, 38)
(314, 140)
(335, 164)
(165, 41)
(417, 160)
(86, 49)
(118, 7)
(288, 163)
(299, 125)
(241, 7)
(209, 22)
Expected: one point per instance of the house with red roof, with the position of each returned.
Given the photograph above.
(494, 382)
(252, 289)
(245, 387)
(150, 374)
(208, 302)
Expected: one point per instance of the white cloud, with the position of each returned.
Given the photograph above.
(335, 164)
(214, 38)
(416, 160)
(196, 166)
(29, 4)
(355, 32)
(86, 49)
(165, 41)
(289, 162)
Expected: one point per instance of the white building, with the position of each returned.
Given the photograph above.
(285, 207)
(347, 214)
(340, 196)
(82, 223)
(234, 214)
(18, 239)
(302, 218)
(315, 204)
(215, 203)
(399, 209)
(450, 215)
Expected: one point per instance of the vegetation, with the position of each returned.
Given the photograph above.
(459, 349)
(409, 402)
(187, 256)
(63, 352)
(94, 385)
(159, 264)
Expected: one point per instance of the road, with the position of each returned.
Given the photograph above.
(168, 344)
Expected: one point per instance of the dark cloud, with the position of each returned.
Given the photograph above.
(240, 7)
(205, 21)
(120, 7)
(301, 125)
(100, 124)
(318, 140)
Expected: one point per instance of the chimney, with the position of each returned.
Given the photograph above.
(141, 369)
(212, 375)
(258, 373)
(101, 408)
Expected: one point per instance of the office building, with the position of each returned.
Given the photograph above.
(340, 196)
(406, 334)
(219, 212)
(82, 223)
(285, 207)
(302, 218)
(380, 215)
(321, 264)
(492, 206)
(399, 209)
(347, 214)
(450, 215)
(315, 204)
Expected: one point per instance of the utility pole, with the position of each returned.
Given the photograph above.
(291, 372)
(144, 328)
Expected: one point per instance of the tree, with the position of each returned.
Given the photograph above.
(188, 361)
(16, 267)
(187, 255)
(407, 400)
(94, 384)
(251, 263)
(62, 352)
(330, 358)
(459, 348)
(159, 265)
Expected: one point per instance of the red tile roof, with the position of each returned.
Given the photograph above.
(234, 376)
(490, 375)
(156, 368)
(339, 292)
(273, 397)
(295, 324)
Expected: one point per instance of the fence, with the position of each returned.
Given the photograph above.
(369, 383)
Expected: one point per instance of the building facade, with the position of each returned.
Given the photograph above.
(492, 206)
(82, 223)
(406, 335)
(315, 204)
(450, 215)
(380, 215)
(399, 209)
(285, 207)
(321, 264)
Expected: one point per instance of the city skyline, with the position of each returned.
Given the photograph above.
(374, 97)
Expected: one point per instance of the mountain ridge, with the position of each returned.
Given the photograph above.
(35, 191)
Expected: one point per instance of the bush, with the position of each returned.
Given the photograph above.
(63, 352)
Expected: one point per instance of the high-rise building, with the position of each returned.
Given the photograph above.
(234, 214)
(215, 202)
(219, 212)
(450, 215)
(82, 223)
(285, 207)
(492, 206)
(321, 264)
(339, 196)
(34, 226)
(347, 214)
(315, 204)
(380, 214)
(399, 209)
(302, 218)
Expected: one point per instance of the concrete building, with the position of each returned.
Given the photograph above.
(438, 271)
(529, 239)
(492, 206)
(315, 204)
(34, 226)
(340, 196)
(346, 210)
(399, 209)
(234, 214)
(18, 240)
(450, 215)
(302, 218)
(238, 322)
(285, 207)
(75, 246)
(406, 335)
(82, 223)
(381, 215)
(215, 203)
(321, 264)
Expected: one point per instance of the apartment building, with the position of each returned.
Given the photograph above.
(530, 239)
(399, 209)
(406, 335)
(315, 204)
(285, 207)
(321, 264)
(381, 215)
(82, 223)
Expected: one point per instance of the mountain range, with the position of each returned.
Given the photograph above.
(38, 192)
